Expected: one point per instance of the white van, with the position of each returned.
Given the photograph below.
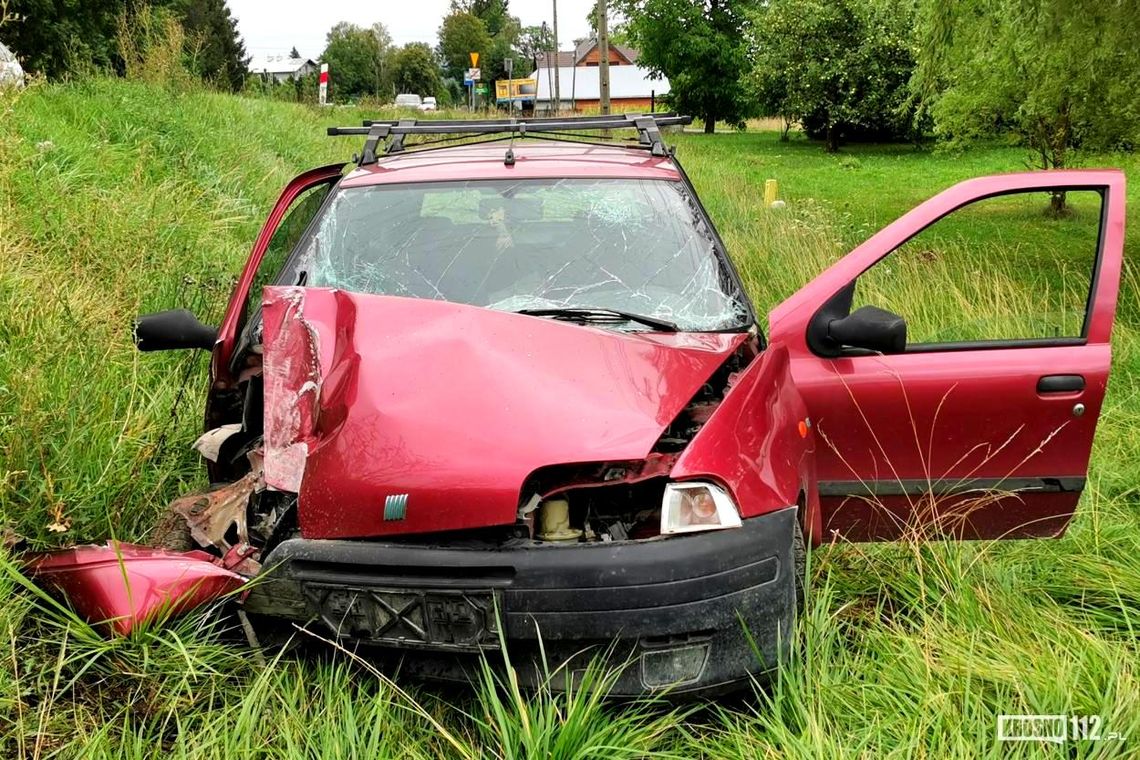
(408, 100)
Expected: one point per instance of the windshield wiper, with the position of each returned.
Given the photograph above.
(599, 315)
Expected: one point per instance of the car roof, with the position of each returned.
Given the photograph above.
(534, 159)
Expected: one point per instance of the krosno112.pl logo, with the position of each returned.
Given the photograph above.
(1054, 728)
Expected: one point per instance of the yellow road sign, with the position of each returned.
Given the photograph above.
(474, 60)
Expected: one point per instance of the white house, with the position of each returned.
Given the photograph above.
(281, 68)
(631, 88)
(577, 73)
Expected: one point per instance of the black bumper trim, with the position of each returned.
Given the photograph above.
(733, 590)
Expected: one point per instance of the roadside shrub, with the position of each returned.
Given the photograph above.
(153, 47)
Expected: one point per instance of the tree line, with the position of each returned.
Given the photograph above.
(61, 38)
(365, 63)
(1057, 75)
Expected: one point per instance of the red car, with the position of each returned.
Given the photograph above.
(514, 388)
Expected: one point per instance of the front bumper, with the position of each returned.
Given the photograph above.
(697, 613)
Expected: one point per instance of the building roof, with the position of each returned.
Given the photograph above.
(582, 83)
(278, 64)
(533, 160)
(581, 50)
(564, 58)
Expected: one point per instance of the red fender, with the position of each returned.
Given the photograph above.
(759, 443)
(124, 586)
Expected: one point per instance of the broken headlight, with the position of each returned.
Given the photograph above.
(689, 507)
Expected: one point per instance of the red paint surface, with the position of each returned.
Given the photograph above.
(963, 516)
(752, 442)
(125, 585)
(456, 405)
(954, 415)
(533, 160)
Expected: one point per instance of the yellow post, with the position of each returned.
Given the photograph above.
(771, 192)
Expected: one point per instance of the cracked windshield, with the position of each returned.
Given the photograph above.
(634, 246)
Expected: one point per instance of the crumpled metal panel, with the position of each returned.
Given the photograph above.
(212, 513)
(292, 378)
(454, 406)
(124, 586)
(757, 441)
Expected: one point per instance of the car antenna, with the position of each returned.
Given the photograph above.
(509, 159)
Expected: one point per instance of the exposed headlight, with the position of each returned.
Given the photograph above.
(689, 507)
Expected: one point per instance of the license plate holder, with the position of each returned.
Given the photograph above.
(462, 620)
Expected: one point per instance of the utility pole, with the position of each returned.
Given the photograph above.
(549, 77)
(557, 78)
(603, 57)
(509, 63)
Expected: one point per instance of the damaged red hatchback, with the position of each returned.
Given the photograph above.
(516, 389)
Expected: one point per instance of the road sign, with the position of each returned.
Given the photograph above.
(481, 89)
(473, 75)
(324, 89)
(474, 59)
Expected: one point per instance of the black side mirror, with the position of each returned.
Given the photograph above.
(869, 327)
(173, 329)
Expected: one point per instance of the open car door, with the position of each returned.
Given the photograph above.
(954, 365)
(287, 221)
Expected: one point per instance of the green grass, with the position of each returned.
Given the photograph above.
(117, 198)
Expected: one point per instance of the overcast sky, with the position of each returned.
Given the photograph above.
(272, 27)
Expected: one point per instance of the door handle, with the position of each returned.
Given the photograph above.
(1060, 384)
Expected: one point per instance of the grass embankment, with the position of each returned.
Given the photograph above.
(119, 198)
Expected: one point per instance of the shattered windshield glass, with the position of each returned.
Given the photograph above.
(636, 246)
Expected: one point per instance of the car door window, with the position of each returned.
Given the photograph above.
(288, 232)
(1007, 268)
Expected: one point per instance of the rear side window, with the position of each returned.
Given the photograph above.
(1007, 268)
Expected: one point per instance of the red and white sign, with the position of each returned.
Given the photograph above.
(324, 94)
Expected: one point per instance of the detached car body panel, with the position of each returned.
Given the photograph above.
(516, 391)
(124, 586)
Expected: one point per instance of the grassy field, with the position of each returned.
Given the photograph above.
(118, 198)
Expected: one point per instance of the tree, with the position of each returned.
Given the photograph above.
(1060, 75)
(460, 35)
(839, 67)
(219, 53)
(53, 38)
(493, 13)
(415, 69)
(359, 60)
(502, 47)
(534, 40)
(700, 46)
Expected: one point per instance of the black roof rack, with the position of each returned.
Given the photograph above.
(647, 125)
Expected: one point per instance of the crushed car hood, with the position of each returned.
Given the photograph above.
(399, 415)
